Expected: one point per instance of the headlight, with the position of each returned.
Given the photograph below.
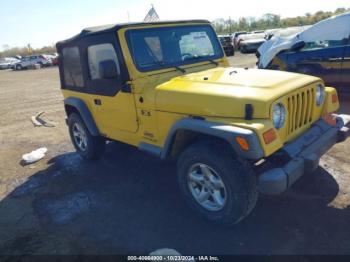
(279, 115)
(320, 94)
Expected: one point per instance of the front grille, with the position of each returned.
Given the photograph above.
(300, 109)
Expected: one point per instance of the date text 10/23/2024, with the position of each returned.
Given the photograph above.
(173, 258)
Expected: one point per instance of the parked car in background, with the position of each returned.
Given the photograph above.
(290, 31)
(29, 61)
(271, 32)
(7, 62)
(235, 37)
(250, 43)
(226, 43)
(48, 57)
(55, 61)
(54, 58)
(321, 50)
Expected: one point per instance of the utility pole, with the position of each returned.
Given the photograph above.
(230, 25)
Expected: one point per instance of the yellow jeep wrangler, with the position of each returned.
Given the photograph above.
(167, 89)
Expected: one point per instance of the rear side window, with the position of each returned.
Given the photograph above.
(72, 67)
(97, 54)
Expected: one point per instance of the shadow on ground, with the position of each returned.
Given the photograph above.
(128, 203)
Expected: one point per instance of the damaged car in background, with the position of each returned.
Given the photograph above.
(321, 50)
(250, 43)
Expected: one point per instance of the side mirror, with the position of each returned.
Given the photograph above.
(108, 69)
(297, 46)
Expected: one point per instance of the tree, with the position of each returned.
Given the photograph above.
(270, 20)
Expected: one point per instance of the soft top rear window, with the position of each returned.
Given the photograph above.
(72, 70)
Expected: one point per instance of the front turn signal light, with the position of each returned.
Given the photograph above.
(243, 143)
(334, 98)
(269, 136)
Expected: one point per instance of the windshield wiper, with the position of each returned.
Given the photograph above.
(161, 63)
(213, 62)
(179, 69)
(206, 59)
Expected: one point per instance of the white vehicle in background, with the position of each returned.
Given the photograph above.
(7, 62)
(235, 37)
(289, 31)
(250, 43)
(31, 61)
(269, 33)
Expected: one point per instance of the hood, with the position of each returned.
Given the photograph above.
(224, 92)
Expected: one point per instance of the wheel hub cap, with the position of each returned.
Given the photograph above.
(207, 187)
(79, 136)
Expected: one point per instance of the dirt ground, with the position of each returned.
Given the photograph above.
(128, 202)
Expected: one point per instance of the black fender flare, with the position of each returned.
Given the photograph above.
(84, 112)
(218, 130)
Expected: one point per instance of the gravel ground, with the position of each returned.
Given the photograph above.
(63, 205)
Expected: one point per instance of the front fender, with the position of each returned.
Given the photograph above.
(218, 130)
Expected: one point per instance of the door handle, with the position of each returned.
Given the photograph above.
(97, 102)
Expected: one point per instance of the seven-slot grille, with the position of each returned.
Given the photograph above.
(300, 109)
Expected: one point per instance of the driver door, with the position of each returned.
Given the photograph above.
(113, 109)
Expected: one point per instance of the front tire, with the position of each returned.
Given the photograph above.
(88, 146)
(218, 186)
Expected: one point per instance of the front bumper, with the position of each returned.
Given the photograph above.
(304, 154)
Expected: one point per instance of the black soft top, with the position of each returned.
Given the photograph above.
(112, 28)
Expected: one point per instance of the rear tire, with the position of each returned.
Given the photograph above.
(227, 204)
(88, 146)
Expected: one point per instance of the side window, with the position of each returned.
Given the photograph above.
(324, 44)
(97, 54)
(72, 67)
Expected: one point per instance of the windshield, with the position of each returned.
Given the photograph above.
(157, 48)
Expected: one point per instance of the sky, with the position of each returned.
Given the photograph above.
(41, 23)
